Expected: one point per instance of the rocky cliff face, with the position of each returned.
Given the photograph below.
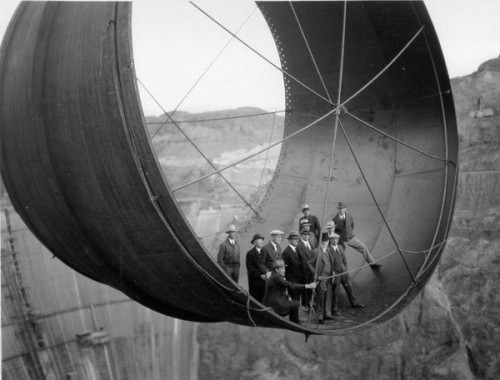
(450, 331)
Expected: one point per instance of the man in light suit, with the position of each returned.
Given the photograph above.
(344, 226)
(229, 254)
(256, 268)
(342, 278)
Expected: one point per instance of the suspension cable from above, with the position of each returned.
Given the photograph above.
(375, 200)
(200, 152)
(204, 72)
(193, 121)
(310, 51)
(385, 68)
(395, 139)
(262, 56)
(335, 130)
(256, 153)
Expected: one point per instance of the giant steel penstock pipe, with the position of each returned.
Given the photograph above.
(80, 169)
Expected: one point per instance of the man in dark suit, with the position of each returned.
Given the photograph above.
(306, 250)
(315, 226)
(306, 226)
(324, 265)
(229, 254)
(296, 263)
(339, 269)
(344, 226)
(276, 297)
(256, 268)
(272, 250)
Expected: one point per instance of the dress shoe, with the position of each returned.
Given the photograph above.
(375, 266)
(321, 322)
(329, 317)
(357, 305)
(306, 308)
(335, 313)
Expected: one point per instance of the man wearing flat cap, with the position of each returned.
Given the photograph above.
(313, 220)
(229, 254)
(344, 223)
(273, 250)
(276, 297)
(256, 268)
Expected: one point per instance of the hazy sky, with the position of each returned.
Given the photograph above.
(174, 43)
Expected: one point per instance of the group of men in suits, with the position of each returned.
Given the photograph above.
(312, 260)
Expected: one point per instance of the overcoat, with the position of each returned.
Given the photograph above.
(276, 296)
(228, 254)
(271, 255)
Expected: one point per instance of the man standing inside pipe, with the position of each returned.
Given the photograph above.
(276, 296)
(272, 250)
(256, 268)
(344, 226)
(313, 220)
(298, 265)
(341, 277)
(305, 250)
(324, 264)
(229, 254)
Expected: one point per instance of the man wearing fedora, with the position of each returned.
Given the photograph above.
(344, 223)
(276, 293)
(306, 226)
(256, 268)
(298, 266)
(339, 266)
(229, 254)
(272, 250)
(313, 220)
(306, 250)
(324, 264)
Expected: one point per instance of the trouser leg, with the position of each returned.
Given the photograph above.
(295, 294)
(359, 246)
(346, 283)
(335, 292)
(320, 301)
(294, 311)
(327, 299)
(233, 271)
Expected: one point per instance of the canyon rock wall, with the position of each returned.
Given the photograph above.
(450, 331)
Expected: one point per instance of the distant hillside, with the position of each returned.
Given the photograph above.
(223, 141)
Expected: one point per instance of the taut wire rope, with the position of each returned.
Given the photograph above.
(396, 139)
(200, 152)
(256, 153)
(374, 199)
(204, 72)
(263, 57)
(310, 51)
(193, 121)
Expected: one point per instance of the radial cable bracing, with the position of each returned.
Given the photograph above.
(375, 200)
(310, 51)
(263, 57)
(395, 139)
(200, 152)
(164, 122)
(335, 129)
(205, 71)
(384, 69)
(256, 153)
